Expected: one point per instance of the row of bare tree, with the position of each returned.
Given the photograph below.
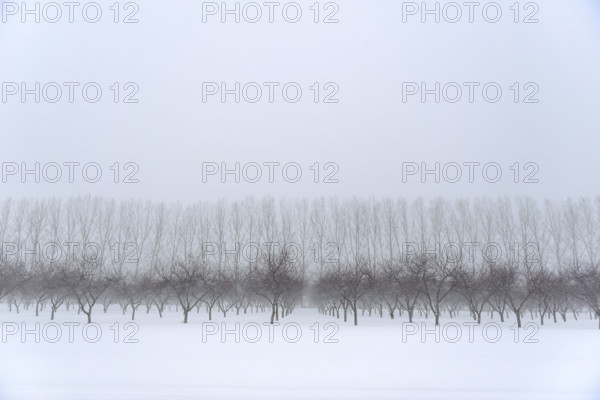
(433, 286)
(275, 283)
(135, 235)
(427, 285)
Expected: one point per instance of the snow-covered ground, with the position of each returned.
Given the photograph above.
(379, 359)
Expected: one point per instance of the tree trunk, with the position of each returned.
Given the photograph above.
(273, 314)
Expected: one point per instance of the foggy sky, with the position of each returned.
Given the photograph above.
(369, 133)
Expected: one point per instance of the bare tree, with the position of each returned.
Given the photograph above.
(438, 280)
(475, 285)
(12, 276)
(514, 280)
(350, 282)
(187, 282)
(132, 289)
(87, 282)
(273, 277)
(404, 280)
(586, 285)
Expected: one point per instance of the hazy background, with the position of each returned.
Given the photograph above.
(368, 134)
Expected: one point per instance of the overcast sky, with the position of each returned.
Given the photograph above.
(366, 136)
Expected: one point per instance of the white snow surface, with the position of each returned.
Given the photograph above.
(369, 361)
